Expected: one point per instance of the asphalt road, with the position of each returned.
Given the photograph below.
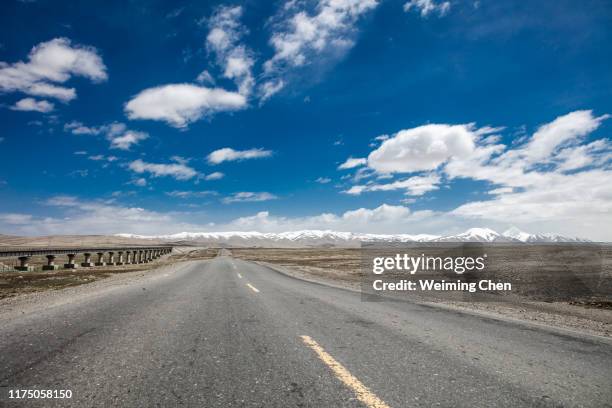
(227, 332)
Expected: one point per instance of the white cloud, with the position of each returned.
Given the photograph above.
(223, 41)
(175, 170)
(190, 194)
(217, 175)
(534, 187)
(422, 148)
(181, 104)
(31, 104)
(323, 180)
(51, 63)
(92, 217)
(77, 216)
(127, 139)
(556, 145)
(383, 213)
(205, 78)
(578, 204)
(229, 154)
(247, 196)
(140, 182)
(501, 190)
(101, 157)
(79, 173)
(351, 163)
(361, 173)
(556, 179)
(15, 218)
(106, 217)
(382, 219)
(77, 128)
(270, 88)
(51, 91)
(564, 130)
(578, 157)
(428, 7)
(119, 136)
(180, 159)
(414, 186)
(301, 36)
(301, 33)
(175, 13)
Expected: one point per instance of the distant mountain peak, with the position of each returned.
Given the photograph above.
(476, 235)
(514, 232)
(322, 238)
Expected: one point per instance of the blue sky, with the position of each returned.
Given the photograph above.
(159, 117)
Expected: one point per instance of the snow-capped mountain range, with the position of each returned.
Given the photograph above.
(321, 238)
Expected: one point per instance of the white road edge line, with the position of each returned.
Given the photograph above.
(253, 288)
(361, 391)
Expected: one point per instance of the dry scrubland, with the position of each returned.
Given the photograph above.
(340, 264)
(529, 267)
(536, 298)
(15, 283)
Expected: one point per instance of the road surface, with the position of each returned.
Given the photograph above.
(227, 332)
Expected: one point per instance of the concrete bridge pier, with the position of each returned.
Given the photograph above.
(24, 264)
(70, 264)
(100, 259)
(50, 266)
(119, 258)
(87, 262)
(111, 259)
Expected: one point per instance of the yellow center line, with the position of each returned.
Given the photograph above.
(253, 288)
(361, 391)
(239, 275)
